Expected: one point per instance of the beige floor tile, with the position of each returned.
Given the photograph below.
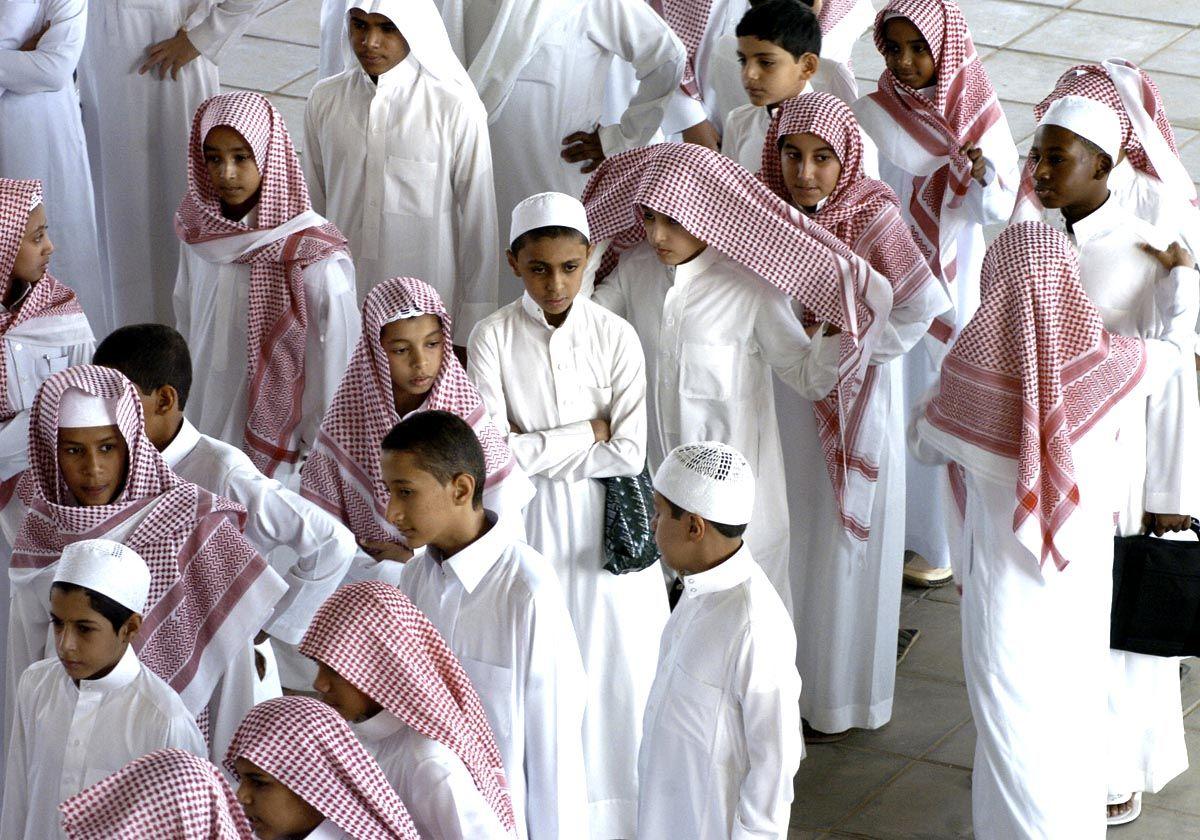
(947, 594)
(958, 748)
(997, 22)
(301, 87)
(1022, 76)
(1021, 123)
(1183, 56)
(938, 653)
(834, 779)
(1090, 37)
(1157, 824)
(1183, 792)
(1180, 95)
(923, 713)
(1173, 11)
(867, 61)
(265, 65)
(926, 801)
(298, 21)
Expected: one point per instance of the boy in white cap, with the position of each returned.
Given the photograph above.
(565, 380)
(1124, 262)
(95, 707)
(722, 736)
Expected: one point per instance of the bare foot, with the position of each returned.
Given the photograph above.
(1121, 809)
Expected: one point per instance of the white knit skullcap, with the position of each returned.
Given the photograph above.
(548, 209)
(404, 315)
(709, 479)
(78, 409)
(35, 199)
(107, 567)
(1089, 119)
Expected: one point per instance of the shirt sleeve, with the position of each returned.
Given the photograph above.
(14, 445)
(808, 365)
(51, 65)
(228, 21)
(334, 325)
(311, 160)
(445, 802)
(610, 293)
(682, 111)
(183, 733)
(993, 201)
(16, 773)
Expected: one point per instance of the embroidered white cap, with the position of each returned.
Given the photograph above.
(546, 210)
(78, 409)
(1089, 119)
(107, 567)
(709, 479)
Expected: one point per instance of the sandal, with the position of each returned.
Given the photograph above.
(1134, 799)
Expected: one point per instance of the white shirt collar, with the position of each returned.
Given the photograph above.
(696, 266)
(326, 831)
(182, 444)
(1105, 218)
(531, 308)
(400, 76)
(377, 727)
(719, 578)
(121, 675)
(473, 562)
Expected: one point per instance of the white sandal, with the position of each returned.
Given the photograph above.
(1135, 799)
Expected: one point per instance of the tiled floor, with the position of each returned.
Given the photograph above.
(910, 779)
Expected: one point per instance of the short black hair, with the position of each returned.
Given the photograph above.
(788, 24)
(150, 356)
(546, 232)
(731, 532)
(444, 444)
(117, 614)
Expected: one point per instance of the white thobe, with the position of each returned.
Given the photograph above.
(500, 608)
(211, 311)
(68, 736)
(561, 90)
(722, 735)
(712, 334)
(137, 135)
(404, 169)
(327, 830)
(431, 780)
(550, 383)
(1035, 640)
(1145, 727)
(41, 136)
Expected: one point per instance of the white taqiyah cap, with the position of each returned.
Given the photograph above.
(1089, 119)
(107, 567)
(545, 210)
(709, 479)
(78, 409)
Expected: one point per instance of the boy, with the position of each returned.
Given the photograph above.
(499, 606)
(565, 379)
(95, 707)
(722, 737)
(309, 548)
(397, 155)
(1122, 269)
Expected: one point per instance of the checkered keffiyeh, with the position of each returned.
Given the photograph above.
(377, 640)
(963, 108)
(342, 472)
(864, 214)
(278, 316)
(312, 752)
(166, 795)
(1032, 372)
(203, 572)
(688, 19)
(834, 12)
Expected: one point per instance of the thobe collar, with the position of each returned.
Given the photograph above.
(473, 562)
(772, 108)
(401, 76)
(719, 578)
(694, 267)
(531, 308)
(121, 675)
(1104, 219)
(327, 830)
(181, 445)
(382, 725)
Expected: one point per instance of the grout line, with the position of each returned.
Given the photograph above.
(855, 810)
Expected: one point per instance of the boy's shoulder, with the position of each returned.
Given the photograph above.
(489, 327)
(37, 677)
(329, 89)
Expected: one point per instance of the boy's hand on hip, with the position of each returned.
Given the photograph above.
(703, 134)
(583, 146)
(170, 55)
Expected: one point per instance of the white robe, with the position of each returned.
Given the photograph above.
(69, 736)
(137, 135)
(211, 311)
(550, 382)
(722, 740)
(404, 169)
(500, 607)
(431, 780)
(41, 136)
(712, 334)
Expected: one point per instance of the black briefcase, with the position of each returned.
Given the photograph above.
(1156, 595)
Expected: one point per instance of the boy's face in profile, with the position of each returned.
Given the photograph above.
(771, 74)
(93, 461)
(907, 55)
(420, 507)
(551, 268)
(336, 692)
(33, 254)
(670, 535)
(671, 242)
(84, 640)
(377, 42)
(1064, 169)
(274, 811)
(414, 349)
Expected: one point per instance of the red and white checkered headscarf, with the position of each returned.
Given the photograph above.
(165, 795)
(379, 642)
(833, 12)
(1031, 372)
(688, 19)
(342, 472)
(278, 318)
(963, 108)
(863, 213)
(311, 751)
(204, 576)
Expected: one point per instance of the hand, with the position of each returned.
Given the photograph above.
(583, 146)
(170, 54)
(829, 329)
(1176, 256)
(382, 550)
(260, 661)
(978, 164)
(1161, 523)
(31, 42)
(703, 134)
(601, 430)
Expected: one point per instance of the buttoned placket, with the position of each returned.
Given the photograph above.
(90, 696)
(376, 166)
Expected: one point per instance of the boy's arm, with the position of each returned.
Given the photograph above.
(49, 65)
(992, 201)
(227, 21)
(334, 325)
(16, 773)
(182, 733)
(909, 320)
(610, 293)
(311, 160)
(808, 365)
(477, 243)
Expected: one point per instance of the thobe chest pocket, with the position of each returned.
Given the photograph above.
(494, 685)
(411, 188)
(32, 369)
(712, 371)
(693, 710)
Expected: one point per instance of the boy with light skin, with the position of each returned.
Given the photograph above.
(726, 668)
(499, 606)
(94, 707)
